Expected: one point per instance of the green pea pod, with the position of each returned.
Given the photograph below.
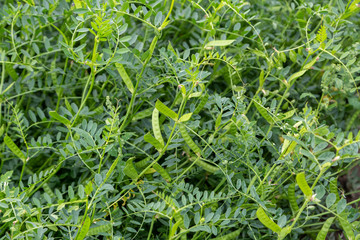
(142, 114)
(229, 236)
(11, 71)
(346, 226)
(143, 163)
(53, 73)
(162, 172)
(304, 186)
(104, 228)
(14, 149)
(83, 230)
(202, 103)
(264, 219)
(130, 170)
(60, 118)
(334, 189)
(188, 139)
(165, 110)
(325, 229)
(296, 76)
(125, 77)
(206, 166)
(264, 112)
(153, 141)
(292, 198)
(156, 126)
(48, 190)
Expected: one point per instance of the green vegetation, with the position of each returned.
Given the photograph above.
(179, 119)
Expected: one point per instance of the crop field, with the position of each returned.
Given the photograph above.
(179, 119)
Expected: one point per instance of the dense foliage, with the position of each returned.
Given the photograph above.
(181, 119)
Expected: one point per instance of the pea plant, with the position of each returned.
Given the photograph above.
(184, 119)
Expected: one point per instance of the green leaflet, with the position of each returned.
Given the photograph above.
(219, 43)
(188, 140)
(60, 118)
(301, 181)
(252, 182)
(292, 198)
(104, 228)
(46, 186)
(130, 170)
(78, 5)
(156, 126)
(202, 103)
(264, 219)
(321, 35)
(229, 236)
(89, 188)
(351, 10)
(125, 77)
(53, 7)
(162, 172)
(165, 110)
(86, 136)
(153, 141)
(264, 112)
(296, 76)
(14, 149)
(346, 226)
(185, 117)
(84, 229)
(357, 138)
(325, 229)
